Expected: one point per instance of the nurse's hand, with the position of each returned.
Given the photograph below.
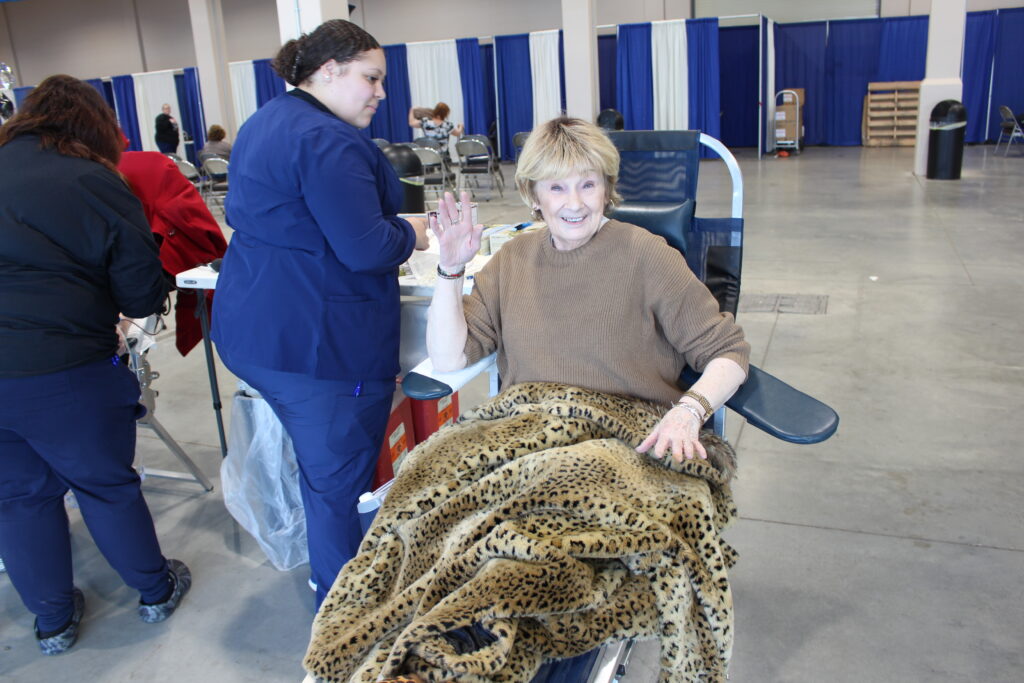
(419, 226)
(458, 238)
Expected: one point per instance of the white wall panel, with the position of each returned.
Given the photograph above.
(788, 10)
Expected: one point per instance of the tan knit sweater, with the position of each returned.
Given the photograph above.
(621, 314)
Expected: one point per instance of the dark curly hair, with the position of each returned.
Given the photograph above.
(69, 115)
(337, 39)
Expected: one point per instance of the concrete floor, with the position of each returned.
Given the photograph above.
(892, 552)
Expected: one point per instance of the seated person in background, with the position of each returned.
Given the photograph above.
(435, 124)
(216, 145)
(622, 313)
(186, 230)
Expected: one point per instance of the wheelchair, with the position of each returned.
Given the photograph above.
(658, 181)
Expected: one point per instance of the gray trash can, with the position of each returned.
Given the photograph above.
(948, 123)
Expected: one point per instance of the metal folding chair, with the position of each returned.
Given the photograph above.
(478, 159)
(216, 187)
(1009, 128)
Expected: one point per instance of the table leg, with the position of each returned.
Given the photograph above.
(211, 368)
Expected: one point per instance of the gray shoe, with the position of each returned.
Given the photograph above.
(182, 578)
(62, 642)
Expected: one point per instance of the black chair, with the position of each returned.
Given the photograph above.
(477, 158)
(609, 119)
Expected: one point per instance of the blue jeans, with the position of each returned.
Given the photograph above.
(73, 429)
(337, 431)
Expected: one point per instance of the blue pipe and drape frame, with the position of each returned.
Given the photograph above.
(737, 49)
(190, 104)
(705, 82)
(392, 119)
(268, 84)
(1008, 75)
(800, 63)
(124, 98)
(515, 90)
(471, 77)
(634, 83)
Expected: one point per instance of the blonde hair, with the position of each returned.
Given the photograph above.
(567, 146)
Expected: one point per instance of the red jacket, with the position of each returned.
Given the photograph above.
(179, 216)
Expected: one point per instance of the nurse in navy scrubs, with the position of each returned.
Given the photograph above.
(307, 300)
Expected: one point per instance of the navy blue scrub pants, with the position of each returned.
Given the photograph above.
(337, 428)
(73, 429)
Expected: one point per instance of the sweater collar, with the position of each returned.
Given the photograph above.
(581, 252)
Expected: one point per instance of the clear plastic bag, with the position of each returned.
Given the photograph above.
(260, 482)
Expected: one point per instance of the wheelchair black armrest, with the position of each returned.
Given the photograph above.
(775, 407)
(423, 388)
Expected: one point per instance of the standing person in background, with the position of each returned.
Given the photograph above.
(436, 125)
(216, 145)
(307, 298)
(76, 252)
(167, 135)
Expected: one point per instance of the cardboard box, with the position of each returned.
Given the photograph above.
(787, 98)
(398, 439)
(429, 416)
(786, 131)
(785, 112)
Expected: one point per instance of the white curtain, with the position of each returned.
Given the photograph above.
(547, 84)
(434, 77)
(152, 91)
(770, 95)
(243, 90)
(670, 69)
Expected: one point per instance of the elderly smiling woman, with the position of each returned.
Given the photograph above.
(588, 301)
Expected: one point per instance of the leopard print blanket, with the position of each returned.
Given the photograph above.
(535, 527)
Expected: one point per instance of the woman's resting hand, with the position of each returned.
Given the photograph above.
(676, 433)
(457, 237)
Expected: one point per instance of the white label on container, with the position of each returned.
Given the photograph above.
(780, 132)
(780, 116)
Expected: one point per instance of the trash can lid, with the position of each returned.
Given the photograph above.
(949, 111)
(403, 160)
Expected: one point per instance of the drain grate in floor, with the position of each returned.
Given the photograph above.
(804, 304)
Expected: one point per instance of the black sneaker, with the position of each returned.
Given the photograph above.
(182, 578)
(62, 642)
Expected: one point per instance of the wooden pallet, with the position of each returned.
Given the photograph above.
(890, 114)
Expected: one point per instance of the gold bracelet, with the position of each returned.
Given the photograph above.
(704, 403)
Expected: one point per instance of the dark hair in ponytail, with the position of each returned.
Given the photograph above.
(336, 39)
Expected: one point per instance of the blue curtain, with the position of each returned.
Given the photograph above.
(515, 88)
(634, 96)
(1008, 76)
(392, 120)
(487, 68)
(21, 93)
(103, 89)
(737, 58)
(903, 49)
(472, 78)
(606, 71)
(268, 84)
(851, 62)
(704, 78)
(800, 63)
(979, 47)
(124, 98)
(190, 104)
